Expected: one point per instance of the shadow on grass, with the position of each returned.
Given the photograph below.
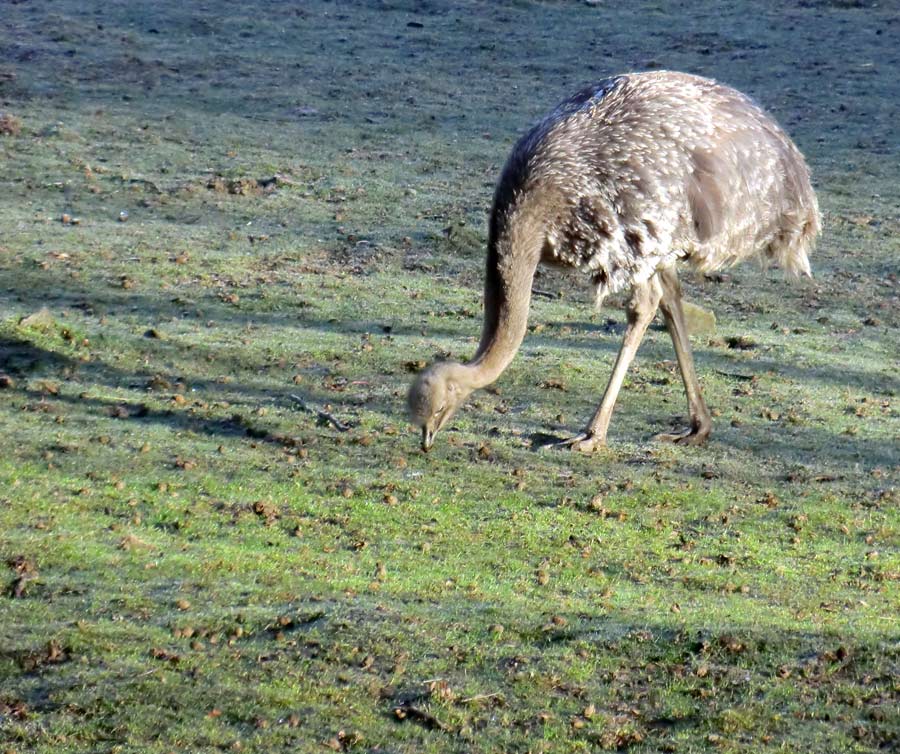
(804, 445)
(831, 454)
(710, 667)
(154, 309)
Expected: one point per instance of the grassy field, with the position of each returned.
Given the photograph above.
(229, 235)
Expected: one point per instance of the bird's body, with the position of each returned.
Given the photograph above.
(620, 182)
(645, 169)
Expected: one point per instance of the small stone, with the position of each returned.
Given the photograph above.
(40, 319)
(699, 321)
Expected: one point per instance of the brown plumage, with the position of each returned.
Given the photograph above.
(621, 182)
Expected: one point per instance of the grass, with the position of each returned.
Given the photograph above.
(194, 562)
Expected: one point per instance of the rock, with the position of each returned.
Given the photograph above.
(699, 321)
(41, 319)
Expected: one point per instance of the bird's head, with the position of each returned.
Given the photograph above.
(435, 396)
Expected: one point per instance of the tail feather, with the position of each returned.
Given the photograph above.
(791, 246)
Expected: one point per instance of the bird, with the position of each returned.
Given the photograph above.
(622, 182)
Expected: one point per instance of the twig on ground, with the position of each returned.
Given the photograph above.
(543, 294)
(145, 674)
(321, 414)
(479, 697)
(408, 712)
(736, 376)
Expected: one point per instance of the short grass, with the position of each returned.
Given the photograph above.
(246, 220)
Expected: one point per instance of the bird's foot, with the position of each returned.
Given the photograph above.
(696, 434)
(583, 442)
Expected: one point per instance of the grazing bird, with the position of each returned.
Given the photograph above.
(621, 182)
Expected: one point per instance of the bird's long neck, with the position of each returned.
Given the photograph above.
(514, 251)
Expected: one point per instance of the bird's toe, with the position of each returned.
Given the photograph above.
(584, 442)
(588, 444)
(688, 436)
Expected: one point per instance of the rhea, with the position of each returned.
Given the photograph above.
(621, 182)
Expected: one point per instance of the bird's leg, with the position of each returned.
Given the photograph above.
(641, 309)
(701, 422)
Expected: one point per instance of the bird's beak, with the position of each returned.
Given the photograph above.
(427, 439)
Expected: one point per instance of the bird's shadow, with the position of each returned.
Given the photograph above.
(545, 441)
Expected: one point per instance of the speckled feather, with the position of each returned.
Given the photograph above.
(643, 169)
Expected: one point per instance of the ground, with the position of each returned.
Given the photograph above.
(232, 232)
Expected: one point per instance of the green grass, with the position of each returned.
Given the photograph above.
(191, 561)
